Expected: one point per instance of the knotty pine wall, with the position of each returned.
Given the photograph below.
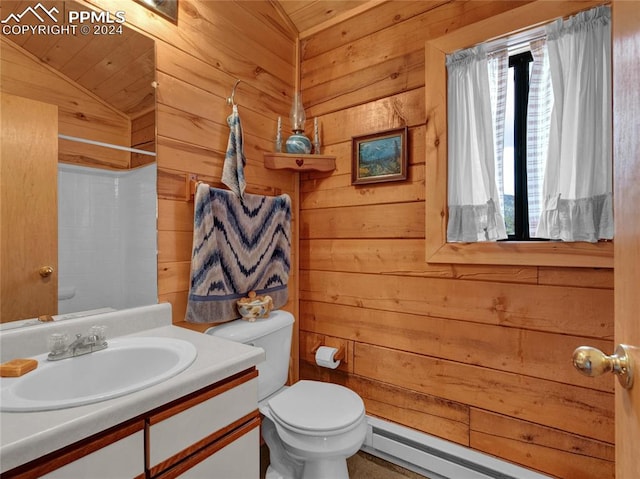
(197, 62)
(478, 355)
(143, 137)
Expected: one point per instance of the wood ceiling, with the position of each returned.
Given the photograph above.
(310, 16)
(118, 69)
(121, 74)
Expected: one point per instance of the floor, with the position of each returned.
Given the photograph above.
(361, 466)
(366, 466)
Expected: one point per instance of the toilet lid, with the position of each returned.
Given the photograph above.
(317, 406)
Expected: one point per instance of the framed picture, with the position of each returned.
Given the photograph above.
(379, 157)
(165, 8)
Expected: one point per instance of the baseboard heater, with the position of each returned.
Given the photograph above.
(436, 458)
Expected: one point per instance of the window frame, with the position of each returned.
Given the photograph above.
(520, 63)
(525, 253)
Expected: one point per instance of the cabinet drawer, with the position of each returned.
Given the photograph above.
(111, 453)
(119, 459)
(179, 431)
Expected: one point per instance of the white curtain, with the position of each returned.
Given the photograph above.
(577, 189)
(474, 205)
(498, 63)
(538, 122)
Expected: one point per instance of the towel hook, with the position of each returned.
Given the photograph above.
(231, 100)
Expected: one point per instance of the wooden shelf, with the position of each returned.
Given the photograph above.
(288, 161)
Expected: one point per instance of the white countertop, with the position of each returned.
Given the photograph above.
(27, 436)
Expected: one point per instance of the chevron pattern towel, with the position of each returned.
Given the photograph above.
(238, 246)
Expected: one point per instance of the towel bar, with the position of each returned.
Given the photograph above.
(192, 181)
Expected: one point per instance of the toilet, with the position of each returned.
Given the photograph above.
(311, 427)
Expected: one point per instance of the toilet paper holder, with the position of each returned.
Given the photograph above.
(339, 356)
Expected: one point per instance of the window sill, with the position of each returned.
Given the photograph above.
(525, 253)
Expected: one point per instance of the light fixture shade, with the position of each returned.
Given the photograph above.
(297, 115)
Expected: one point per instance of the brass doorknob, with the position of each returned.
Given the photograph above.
(593, 362)
(46, 271)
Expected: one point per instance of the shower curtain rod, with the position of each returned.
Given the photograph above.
(106, 145)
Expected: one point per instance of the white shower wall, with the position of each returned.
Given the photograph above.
(107, 239)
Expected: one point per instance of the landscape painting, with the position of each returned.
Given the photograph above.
(379, 157)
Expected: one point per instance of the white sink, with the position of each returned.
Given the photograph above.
(127, 365)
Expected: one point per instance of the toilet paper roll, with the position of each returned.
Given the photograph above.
(325, 357)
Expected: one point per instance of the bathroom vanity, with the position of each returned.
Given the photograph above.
(202, 422)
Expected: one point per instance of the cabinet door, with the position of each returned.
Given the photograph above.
(29, 208)
(121, 459)
(188, 426)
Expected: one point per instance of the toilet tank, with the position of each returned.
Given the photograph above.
(273, 334)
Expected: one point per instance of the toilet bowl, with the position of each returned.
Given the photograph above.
(311, 427)
(319, 425)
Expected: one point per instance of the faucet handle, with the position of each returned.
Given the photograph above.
(98, 332)
(58, 342)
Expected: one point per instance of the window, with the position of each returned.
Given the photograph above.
(569, 131)
(437, 248)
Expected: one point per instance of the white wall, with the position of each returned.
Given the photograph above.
(107, 239)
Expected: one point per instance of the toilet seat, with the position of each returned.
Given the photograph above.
(317, 408)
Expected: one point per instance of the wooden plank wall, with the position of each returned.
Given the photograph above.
(478, 355)
(143, 137)
(198, 61)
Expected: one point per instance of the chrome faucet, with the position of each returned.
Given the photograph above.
(82, 344)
